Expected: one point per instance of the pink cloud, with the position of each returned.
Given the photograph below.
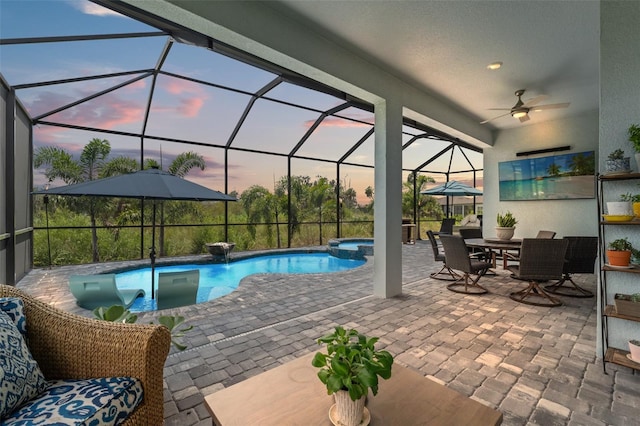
(190, 107)
(177, 87)
(335, 122)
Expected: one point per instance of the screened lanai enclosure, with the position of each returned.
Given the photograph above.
(93, 93)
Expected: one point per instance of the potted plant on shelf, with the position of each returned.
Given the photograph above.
(627, 304)
(619, 252)
(634, 350)
(634, 138)
(506, 225)
(349, 369)
(634, 200)
(618, 163)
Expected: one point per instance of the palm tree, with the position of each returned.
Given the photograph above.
(180, 167)
(424, 203)
(91, 165)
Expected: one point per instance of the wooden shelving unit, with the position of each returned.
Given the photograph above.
(611, 354)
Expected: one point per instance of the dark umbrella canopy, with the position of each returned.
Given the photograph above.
(453, 189)
(150, 184)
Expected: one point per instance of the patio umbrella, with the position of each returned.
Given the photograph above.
(453, 189)
(150, 184)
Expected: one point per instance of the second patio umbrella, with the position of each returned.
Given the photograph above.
(150, 184)
(453, 189)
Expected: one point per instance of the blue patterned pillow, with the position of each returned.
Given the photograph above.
(14, 307)
(20, 375)
(90, 402)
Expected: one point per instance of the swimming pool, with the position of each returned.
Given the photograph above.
(219, 279)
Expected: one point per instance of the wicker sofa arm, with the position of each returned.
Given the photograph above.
(68, 346)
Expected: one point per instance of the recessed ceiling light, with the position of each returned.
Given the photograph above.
(494, 65)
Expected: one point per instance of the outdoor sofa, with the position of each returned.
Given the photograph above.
(126, 358)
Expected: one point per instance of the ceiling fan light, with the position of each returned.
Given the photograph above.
(519, 114)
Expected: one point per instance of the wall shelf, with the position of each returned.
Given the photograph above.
(611, 354)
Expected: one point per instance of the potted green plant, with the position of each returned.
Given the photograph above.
(349, 368)
(634, 350)
(634, 199)
(634, 138)
(627, 304)
(619, 252)
(506, 225)
(617, 162)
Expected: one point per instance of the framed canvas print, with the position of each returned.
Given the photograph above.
(555, 177)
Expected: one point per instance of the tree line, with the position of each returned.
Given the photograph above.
(263, 218)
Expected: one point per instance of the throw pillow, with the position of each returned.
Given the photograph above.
(20, 376)
(14, 307)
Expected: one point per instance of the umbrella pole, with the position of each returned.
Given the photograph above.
(152, 252)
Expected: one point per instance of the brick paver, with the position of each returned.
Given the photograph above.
(537, 365)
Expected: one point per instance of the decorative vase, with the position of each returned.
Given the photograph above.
(619, 166)
(634, 350)
(348, 412)
(619, 257)
(636, 209)
(637, 155)
(505, 232)
(619, 208)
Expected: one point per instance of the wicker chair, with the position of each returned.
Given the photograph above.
(457, 257)
(445, 273)
(581, 258)
(541, 260)
(68, 346)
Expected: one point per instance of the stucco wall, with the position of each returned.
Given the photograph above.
(566, 217)
(619, 108)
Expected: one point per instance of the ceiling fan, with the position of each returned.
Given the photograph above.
(521, 109)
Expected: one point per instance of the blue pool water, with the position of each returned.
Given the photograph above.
(353, 245)
(219, 279)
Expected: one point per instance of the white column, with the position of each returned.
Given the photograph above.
(387, 281)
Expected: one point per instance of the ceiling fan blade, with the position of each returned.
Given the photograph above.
(493, 118)
(551, 106)
(524, 118)
(498, 109)
(535, 100)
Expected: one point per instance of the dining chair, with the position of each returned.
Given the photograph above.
(446, 227)
(541, 260)
(515, 257)
(581, 259)
(177, 289)
(438, 256)
(457, 257)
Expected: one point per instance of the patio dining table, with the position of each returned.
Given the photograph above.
(495, 246)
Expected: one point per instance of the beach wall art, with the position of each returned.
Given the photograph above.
(554, 177)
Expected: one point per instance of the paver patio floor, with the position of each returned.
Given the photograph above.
(537, 365)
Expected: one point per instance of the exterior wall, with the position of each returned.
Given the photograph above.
(566, 217)
(619, 108)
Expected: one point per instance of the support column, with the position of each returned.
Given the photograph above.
(387, 280)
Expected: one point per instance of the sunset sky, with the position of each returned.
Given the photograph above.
(181, 109)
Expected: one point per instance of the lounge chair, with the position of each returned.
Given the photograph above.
(177, 288)
(94, 291)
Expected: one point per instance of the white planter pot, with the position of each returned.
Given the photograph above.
(620, 208)
(348, 412)
(505, 233)
(634, 350)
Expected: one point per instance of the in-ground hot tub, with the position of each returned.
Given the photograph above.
(351, 248)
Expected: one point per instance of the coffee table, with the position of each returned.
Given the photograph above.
(292, 394)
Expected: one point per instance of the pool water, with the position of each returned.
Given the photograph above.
(220, 279)
(353, 245)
